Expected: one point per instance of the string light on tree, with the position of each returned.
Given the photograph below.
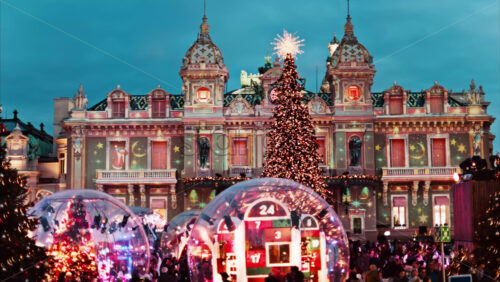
(20, 258)
(292, 151)
(73, 250)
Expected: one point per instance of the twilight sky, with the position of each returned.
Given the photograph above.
(47, 48)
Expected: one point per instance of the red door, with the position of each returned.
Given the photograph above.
(240, 152)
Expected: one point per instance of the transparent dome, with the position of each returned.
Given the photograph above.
(119, 242)
(268, 225)
(175, 237)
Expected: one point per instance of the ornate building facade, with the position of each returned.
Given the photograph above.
(389, 156)
(29, 150)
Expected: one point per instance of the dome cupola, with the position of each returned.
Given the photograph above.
(349, 49)
(203, 49)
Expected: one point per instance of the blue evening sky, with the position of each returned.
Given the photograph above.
(49, 47)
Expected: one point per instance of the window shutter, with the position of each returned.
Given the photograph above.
(397, 152)
(240, 151)
(438, 152)
(159, 155)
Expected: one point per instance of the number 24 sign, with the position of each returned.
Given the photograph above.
(267, 209)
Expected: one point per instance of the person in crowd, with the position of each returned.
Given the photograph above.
(372, 275)
(401, 277)
(274, 276)
(225, 277)
(295, 275)
(414, 276)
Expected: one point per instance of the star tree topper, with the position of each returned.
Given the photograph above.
(287, 44)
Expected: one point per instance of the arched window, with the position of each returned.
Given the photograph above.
(118, 108)
(159, 108)
(437, 104)
(396, 105)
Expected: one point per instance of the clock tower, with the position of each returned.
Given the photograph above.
(204, 76)
(349, 78)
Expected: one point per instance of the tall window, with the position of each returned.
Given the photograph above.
(321, 149)
(357, 224)
(159, 108)
(239, 151)
(399, 207)
(159, 155)
(397, 152)
(62, 163)
(118, 109)
(436, 105)
(441, 210)
(396, 105)
(438, 152)
(117, 155)
(159, 205)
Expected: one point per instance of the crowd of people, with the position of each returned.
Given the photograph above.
(394, 261)
(166, 269)
(413, 261)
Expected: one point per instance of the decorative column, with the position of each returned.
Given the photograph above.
(405, 106)
(445, 102)
(131, 200)
(386, 103)
(77, 147)
(414, 191)
(174, 196)
(427, 187)
(142, 189)
(384, 193)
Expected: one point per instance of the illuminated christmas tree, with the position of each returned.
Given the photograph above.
(292, 149)
(487, 235)
(20, 258)
(72, 248)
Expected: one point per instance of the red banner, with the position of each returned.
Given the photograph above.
(278, 235)
(256, 258)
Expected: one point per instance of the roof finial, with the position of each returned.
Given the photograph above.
(348, 14)
(204, 26)
(348, 27)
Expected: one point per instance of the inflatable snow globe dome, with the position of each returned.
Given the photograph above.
(106, 226)
(268, 225)
(176, 235)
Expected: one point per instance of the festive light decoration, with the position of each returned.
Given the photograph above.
(267, 223)
(209, 178)
(20, 258)
(487, 235)
(72, 248)
(176, 233)
(287, 44)
(292, 151)
(91, 235)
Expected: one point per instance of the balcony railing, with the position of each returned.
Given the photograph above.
(136, 176)
(257, 171)
(418, 172)
(237, 170)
